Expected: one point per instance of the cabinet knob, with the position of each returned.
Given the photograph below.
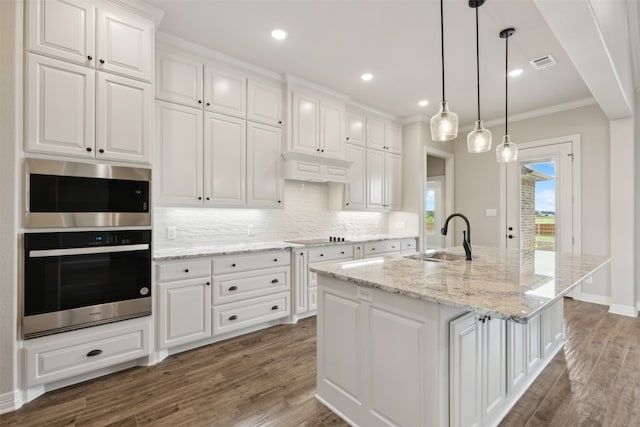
(199, 101)
(89, 149)
(102, 61)
(95, 352)
(347, 204)
(233, 265)
(342, 253)
(393, 247)
(101, 150)
(275, 307)
(233, 288)
(317, 149)
(207, 198)
(89, 57)
(279, 122)
(208, 283)
(510, 236)
(347, 138)
(274, 281)
(208, 103)
(321, 254)
(322, 151)
(373, 249)
(186, 270)
(279, 201)
(199, 198)
(275, 260)
(234, 317)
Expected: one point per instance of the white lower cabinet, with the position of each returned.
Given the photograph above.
(61, 356)
(383, 247)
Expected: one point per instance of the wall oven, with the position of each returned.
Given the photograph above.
(74, 280)
(69, 194)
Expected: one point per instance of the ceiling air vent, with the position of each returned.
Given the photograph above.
(543, 62)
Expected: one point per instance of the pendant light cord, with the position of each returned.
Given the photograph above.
(506, 87)
(478, 62)
(442, 44)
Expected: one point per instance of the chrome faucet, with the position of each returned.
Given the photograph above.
(466, 242)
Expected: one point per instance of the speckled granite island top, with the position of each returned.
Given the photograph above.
(505, 283)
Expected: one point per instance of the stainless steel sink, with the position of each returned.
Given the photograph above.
(437, 257)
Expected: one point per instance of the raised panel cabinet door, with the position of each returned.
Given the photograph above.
(375, 179)
(225, 146)
(393, 138)
(264, 165)
(225, 92)
(185, 311)
(299, 275)
(264, 103)
(534, 352)
(62, 28)
(306, 124)
(375, 134)
(179, 154)
(547, 325)
(465, 371)
(332, 130)
(516, 356)
(123, 119)
(393, 181)
(494, 378)
(125, 45)
(356, 190)
(179, 79)
(60, 107)
(355, 129)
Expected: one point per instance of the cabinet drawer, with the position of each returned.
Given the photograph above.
(386, 246)
(237, 263)
(408, 245)
(73, 353)
(328, 253)
(234, 287)
(178, 270)
(240, 315)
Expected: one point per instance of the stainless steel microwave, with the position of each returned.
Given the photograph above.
(70, 194)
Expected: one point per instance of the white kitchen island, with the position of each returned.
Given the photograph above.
(408, 342)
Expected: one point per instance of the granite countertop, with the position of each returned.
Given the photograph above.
(504, 283)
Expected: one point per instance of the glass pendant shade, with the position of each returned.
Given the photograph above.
(479, 139)
(507, 151)
(444, 125)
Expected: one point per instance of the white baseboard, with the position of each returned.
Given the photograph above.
(10, 401)
(624, 310)
(593, 298)
(335, 411)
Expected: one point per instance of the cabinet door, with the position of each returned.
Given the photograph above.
(60, 107)
(306, 126)
(465, 371)
(356, 190)
(225, 92)
(125, 45)
(225, 143)
(332, 130)
(547, 326)
(393, 181)
(375, 179)
(264, 165)
(534, 353)
(299, 275)
(516, 356)
(62, 28)
(185, 312)
(179, 154)
(375, 134)
(355, 129)
(264, 103)
(179, 79)
(494, 364)
(393, 138)
(123, 119)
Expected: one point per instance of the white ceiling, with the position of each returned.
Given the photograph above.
(332, 43)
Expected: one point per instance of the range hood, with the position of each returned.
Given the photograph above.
(310, 167)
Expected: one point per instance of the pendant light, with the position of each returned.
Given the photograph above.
(507, 151)
(479, 139)
(444, 125)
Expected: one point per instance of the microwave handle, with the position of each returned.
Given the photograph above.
(87, 250)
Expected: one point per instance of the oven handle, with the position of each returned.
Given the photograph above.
(87, 251)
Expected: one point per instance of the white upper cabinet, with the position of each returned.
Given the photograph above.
(60, 101)
(332, 129)
(393, 138)
(179, 154)
(264, 103)
(225, 92)
(375, 179)
(62, 28)
(76, 31)
(179, 79)
(356, 190)
(125, 45)
(306, 124)
(355, 129)
(375, 134)
(123, 119)
(225, 142)
(264, 166)
(393, 181)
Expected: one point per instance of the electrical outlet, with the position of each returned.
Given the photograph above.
(251, 230)
(589, 279)
(365, 294)
(400, 224)
(171, 233)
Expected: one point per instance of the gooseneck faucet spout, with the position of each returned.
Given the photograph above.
(466, 241)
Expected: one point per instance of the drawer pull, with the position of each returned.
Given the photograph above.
(274, 281)
(95, 352)
(234, 317)
(186, 270)
(233, 265)
(321, 254)
(275, 307)
(275, 260)
(342, 253)
(233, 288)
(393, 247)
(373, 249)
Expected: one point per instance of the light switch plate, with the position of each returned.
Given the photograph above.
(171, 233)
(251, 230)
(491, 212)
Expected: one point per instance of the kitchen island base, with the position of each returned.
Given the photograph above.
(388, 359)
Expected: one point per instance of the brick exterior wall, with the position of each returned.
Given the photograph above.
(527, 214)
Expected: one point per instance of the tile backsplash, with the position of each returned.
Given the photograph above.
(306, 214)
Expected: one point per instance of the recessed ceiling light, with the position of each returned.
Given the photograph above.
(516, 72)
(366, 77)
(279, 34)
(423, 103)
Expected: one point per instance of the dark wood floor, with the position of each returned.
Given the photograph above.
(268, 379)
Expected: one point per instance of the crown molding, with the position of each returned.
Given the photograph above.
(141, 8)
(297, 81)
(382, 114)
(417, 118)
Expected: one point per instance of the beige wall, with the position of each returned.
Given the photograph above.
(435, 166)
